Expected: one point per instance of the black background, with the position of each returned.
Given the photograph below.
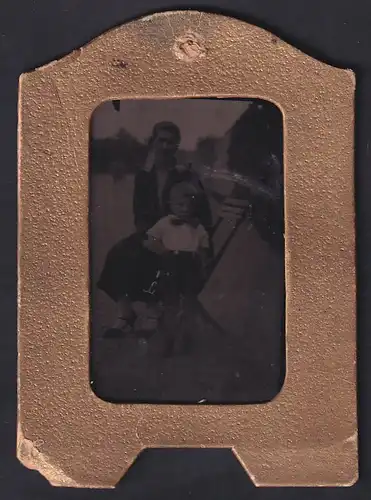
(35, 32)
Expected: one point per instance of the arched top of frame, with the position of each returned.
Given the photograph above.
(191, 53)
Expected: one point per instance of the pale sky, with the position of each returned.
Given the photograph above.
(195, 117)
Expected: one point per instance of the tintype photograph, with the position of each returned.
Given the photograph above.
(187, 251)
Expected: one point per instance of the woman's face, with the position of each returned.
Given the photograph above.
(166, 145)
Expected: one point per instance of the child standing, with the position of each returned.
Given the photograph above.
(182, 242)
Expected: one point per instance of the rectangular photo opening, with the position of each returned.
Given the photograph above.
(187, 251)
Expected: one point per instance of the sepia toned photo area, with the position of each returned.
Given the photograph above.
(187, 251)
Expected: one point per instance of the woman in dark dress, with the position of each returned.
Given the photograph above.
(256, 160)
(130, 268)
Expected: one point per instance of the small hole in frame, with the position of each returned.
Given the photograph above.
(187, 251)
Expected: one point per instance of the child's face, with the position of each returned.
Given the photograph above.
(181, 206)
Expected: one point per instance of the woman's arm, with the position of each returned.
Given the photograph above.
(153, 242)
(155, 245)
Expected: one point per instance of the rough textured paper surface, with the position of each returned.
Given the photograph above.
(308, 434)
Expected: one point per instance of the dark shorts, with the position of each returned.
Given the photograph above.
(181, 276)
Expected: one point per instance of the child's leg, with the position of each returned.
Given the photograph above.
(189, 277)
(186, 326)
(170, 328)
(124, 318)
(177, 308)
(171, 303)
(124, 308)
(148, 315)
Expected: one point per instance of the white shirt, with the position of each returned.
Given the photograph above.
(184, 237)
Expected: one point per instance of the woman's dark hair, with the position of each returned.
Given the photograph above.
(256, 142)
(168, 127)
(257, 134)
